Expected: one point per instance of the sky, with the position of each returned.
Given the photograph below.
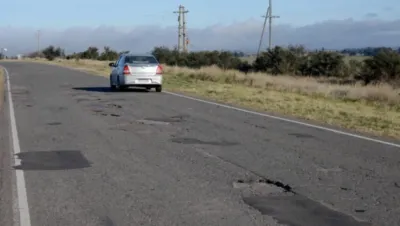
(218, 24)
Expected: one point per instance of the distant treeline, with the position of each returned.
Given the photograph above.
(381, 64)
(369, 51)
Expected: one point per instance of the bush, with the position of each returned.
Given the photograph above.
(384, 65)
(295, 60)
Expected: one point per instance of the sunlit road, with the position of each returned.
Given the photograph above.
(90, 156)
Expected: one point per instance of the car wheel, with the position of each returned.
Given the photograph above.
(158, 89)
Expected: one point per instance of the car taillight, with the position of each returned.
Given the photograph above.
(159, 70)
(126, 70)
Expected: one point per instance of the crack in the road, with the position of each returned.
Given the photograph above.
(176, 118)
(301, 135)
(151, 122)
(54, 123)
(188, 140)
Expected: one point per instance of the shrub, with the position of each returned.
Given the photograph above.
(384, 65)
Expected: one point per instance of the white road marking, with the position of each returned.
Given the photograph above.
(288, 120)
(22, 199)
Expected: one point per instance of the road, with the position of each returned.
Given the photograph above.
(90, 156)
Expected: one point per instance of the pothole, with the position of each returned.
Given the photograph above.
(278, 200)
(97, 110)
(152, 122)
(172, 119)
(298, 210)
(54, 123)
(301, 135)
(114, 105)
(107, 114)
(188, 140)
(278, 184)
(83, 99)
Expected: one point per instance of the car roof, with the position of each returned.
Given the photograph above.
(138, 54)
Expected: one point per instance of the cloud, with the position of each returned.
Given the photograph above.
(371, 15)
(334, 34)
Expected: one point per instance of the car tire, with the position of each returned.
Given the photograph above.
(158, 89)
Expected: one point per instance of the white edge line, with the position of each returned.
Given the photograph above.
(288, 120)
(22, 198)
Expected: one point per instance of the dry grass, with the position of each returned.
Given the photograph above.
(371, 109)
(383, 93)
(2, 79)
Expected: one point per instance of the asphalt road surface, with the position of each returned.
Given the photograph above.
(89, 156)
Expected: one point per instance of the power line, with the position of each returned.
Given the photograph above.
(262, 33)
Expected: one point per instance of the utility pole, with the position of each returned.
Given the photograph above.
(185, 48)
(179, 27)
(271, 16)
(268, 16)
(38, 42)
(182, 43)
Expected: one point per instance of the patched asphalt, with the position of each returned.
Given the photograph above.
(96, 157)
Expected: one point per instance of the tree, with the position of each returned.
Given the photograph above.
(52, 52)
(91, 53)
(108, 54)
(384, 66)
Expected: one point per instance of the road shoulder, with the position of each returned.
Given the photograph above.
(6, 212)
(2, 85)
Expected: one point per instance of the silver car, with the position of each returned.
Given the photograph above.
(137, 70)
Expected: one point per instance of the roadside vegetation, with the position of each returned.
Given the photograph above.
(338, 88)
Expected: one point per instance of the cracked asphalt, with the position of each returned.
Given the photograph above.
(96, 157)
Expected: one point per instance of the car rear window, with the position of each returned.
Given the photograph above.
(140, 60)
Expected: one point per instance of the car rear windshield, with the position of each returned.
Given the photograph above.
(140, 60)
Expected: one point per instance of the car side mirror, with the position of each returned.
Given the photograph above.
(111, 64)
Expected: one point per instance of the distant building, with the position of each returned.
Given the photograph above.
(19, 56)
